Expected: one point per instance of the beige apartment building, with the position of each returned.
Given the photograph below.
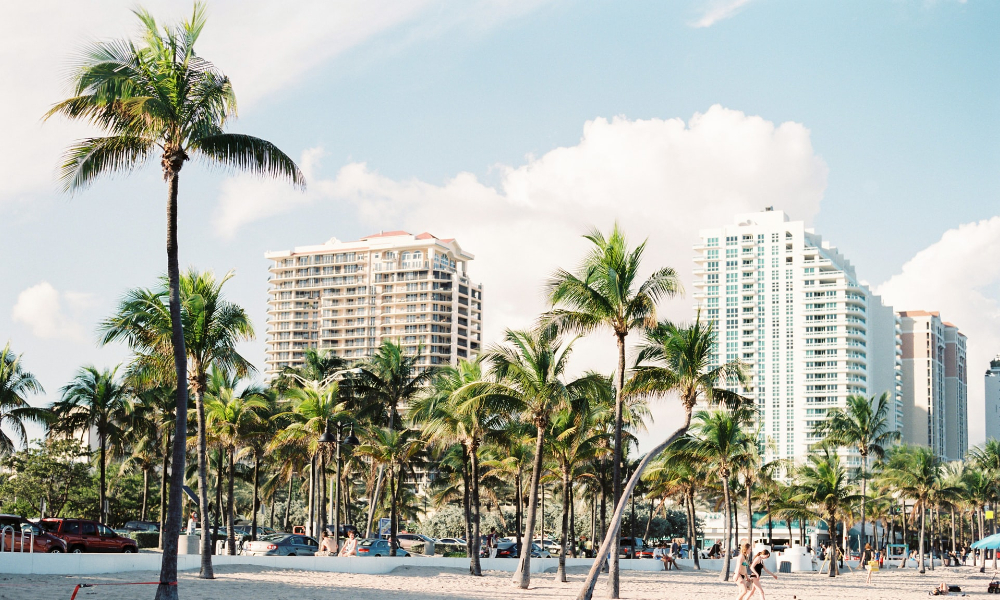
(935, 384)
(347, 297)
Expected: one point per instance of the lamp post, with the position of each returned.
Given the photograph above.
(339, 440)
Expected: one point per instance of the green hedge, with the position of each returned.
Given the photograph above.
(146, 539)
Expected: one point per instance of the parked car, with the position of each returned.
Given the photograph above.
(281, 544)
(375, 547)
(508, 549)
(20, 538)
(82, 535)
(625, 546)
(407, 540)
(454, 541)
(142, 526)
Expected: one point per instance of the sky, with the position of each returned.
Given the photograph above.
(516, 126)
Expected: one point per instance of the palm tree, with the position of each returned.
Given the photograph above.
(822, 486)
(383, 382)
(15, 385)
(679, 473)
(529, 368)
(95, 400)
(157, 95)
(673, 359)
(212, 327)
(317, 365)
(606, 293)
(394, 450)
(230, 415)
(257, 436)
(862, 425)
(718, 438)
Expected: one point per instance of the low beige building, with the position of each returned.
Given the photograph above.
(346, 297)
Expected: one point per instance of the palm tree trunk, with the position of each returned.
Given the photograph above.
(477, 569)
(587, 592)
(311, 515)
(770, 528)
(834, 553)
(923, 514)
(220, 477)
(728, 547)
(392, 510)
(103, 495)
(321, 501)
(145, 493)
(288, 503)
(518, 511)
(864, 499)
(256, 495)
(649, 519)
(163, 485)
(522, 576)
(270, 517)
(561, 574)
(207, 572)
(749, 517)
(467, 504)
(693, 529)
(614, 585)
(572, 520)
(230, 509)
(167, 588)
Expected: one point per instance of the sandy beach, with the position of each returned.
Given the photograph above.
(420, 583)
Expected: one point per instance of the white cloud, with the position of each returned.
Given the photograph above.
(263, 46)
(959, 277)
(661, 179)
(719, 10)
(44, 310)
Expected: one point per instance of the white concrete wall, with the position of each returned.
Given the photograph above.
(91, 564)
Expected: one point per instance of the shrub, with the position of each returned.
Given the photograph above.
(146, 539)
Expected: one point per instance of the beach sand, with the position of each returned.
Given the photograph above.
(420, 583)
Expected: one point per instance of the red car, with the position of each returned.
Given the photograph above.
(20, 538)
(82, 535)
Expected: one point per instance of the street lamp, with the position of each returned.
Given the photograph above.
(339, 440)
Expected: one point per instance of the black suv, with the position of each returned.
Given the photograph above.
(149, 526)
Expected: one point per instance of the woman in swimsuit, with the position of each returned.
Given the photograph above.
(743, 572)
(757, 568)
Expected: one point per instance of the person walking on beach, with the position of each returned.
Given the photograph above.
(350, 545)
(758, 568)
(743, 572)
(192, 522)
(869, 562)
(491, 542)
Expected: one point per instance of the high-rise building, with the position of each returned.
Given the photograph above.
(935, 386)
(790, 306)
(993, 400)
(346, 297)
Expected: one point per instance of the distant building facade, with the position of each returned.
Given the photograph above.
(993, 400)
(935, 384)
(347, 297)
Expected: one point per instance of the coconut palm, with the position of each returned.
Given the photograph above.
(257, 436)
(212, 327)
(99, 401)
(317, 365)
(823, 488)
(156, 95)
(394, 450)
(673, 359)
(231, 414)
(681, 474)
(607, 293)
(719, 439)
(16, 384)
(862, 425)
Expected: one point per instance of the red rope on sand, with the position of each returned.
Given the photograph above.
(85, 585)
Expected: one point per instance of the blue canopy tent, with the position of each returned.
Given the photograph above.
(991, 542)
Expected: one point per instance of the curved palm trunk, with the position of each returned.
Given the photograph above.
(561, 574)
(864, 500)
(522, 576)
(728, 547)
(587, 592)
(167, 588)
(145, 493)
(649, 520)
(207, 572)
(230, 509)
(616, 494)
(476, 540)
(288, 503)
(923, 527)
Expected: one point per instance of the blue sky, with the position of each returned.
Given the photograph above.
(874, 120)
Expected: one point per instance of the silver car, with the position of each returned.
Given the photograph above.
(282, 544)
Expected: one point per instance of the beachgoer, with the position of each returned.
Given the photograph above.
(192, 522)
(867, 560)
(757, 568)
(350, 545)
(714, 551)
(491, 542)
(743, 572)
(327, 547)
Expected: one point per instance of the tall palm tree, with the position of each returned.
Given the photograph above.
(679, 473)
(393, 449)
(718, 437)
(157, 95)
(15, 385)
(607, 293)
(212, 326)
(822, 486)
(94, 400)
(257, 436)
(317, 365)
(673, 359)
(384, 381)
(862, 425)
(231, 414)
(529, 368)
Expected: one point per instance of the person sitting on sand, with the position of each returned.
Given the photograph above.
(327, 547)
(350, 545)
